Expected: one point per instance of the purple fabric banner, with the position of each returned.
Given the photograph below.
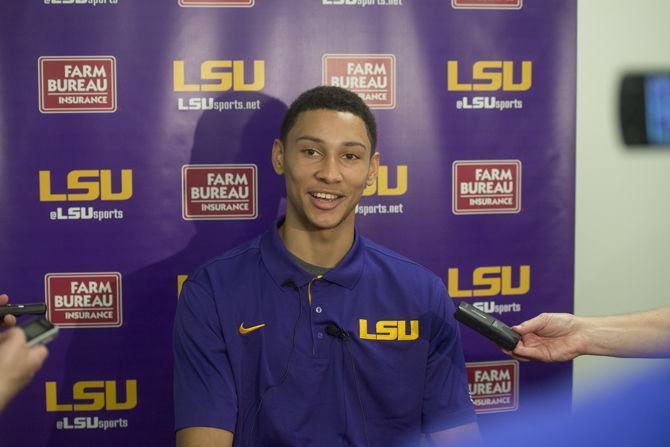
(135, 143)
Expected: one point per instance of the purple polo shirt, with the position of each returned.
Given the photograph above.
(400, 373)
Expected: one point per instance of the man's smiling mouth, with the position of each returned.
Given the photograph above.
(325, 196)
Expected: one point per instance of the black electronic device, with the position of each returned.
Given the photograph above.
(39, 330)
(23, 309)
(644, 108)
(491, 328)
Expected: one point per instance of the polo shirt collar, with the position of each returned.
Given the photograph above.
(283, 270)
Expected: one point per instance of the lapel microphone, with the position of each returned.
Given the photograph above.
(335, 331)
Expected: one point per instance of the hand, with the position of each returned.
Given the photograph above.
(18, 363)
(7, 320)
(550, 337)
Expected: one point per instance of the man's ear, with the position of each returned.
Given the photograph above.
(278, 157)
(372, 170)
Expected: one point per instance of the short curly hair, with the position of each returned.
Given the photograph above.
(330, 98)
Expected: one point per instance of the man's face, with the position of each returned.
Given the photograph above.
(327, 165)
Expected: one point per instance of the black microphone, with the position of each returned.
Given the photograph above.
(335, 331)
(289, 283)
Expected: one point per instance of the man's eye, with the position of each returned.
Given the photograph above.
(351, 156)
(309, 152)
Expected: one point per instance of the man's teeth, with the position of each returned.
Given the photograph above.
(324, 196)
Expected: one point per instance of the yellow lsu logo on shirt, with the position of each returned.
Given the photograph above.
(87, 185)
(491, 76)
(93, 395)
(389, 330)
(224, 74)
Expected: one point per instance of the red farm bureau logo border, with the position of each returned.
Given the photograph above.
(487, 4)
(54, 284)
(216, 3)
(337, 66)
(46, 65)
(219, 192)
(494, 386)
(496, 191)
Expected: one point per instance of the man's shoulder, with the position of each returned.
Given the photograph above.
(232, 262)
(382, 256)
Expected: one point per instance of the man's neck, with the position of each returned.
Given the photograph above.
(324, 248)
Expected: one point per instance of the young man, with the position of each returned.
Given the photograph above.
(311, 335)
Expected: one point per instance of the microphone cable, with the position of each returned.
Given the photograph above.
(335, 331)
(282, 379)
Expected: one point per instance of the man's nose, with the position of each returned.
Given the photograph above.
(329, 171)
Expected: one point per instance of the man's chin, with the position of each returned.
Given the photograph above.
(326, 222)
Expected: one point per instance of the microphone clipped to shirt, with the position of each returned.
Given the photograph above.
(335, 331)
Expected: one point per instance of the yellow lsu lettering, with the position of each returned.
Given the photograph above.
(491, 76)
(381, 184)
(389, 330)
(490, 281)
(93, 396)
(220, 71)
(98, 185)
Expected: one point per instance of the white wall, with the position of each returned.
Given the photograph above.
(623, 195)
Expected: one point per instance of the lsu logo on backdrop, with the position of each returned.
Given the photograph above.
(490, 281)
(494, 386)
(83, 84)
(382, 185)
(488, 76)
(216, 3)
(487, 4)
(91, 396)
(85, 185)
(486, 187)
(84, 299)
(371, 76)
(385, 186)
(216, 77)
(219, 192)
(389, 330)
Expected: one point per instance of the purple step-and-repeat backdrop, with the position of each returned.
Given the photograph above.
(135, 144)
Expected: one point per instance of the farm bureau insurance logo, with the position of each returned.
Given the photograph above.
(494, 386)
(216, 3)
(84, 299)
(486, 187)
(87, 396)
(487, 4)
(219, 192)
(371, 76)
(77, 84)
(507, 78)
(86, 185)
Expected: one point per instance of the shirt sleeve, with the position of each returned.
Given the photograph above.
(204, 389)
(446, 399)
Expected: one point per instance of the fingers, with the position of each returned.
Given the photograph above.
(514, 355)
(36, 356)
(14, 336)
(8, 321)
(532, 325)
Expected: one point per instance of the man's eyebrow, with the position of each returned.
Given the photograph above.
(320, 141)
(309, 138)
